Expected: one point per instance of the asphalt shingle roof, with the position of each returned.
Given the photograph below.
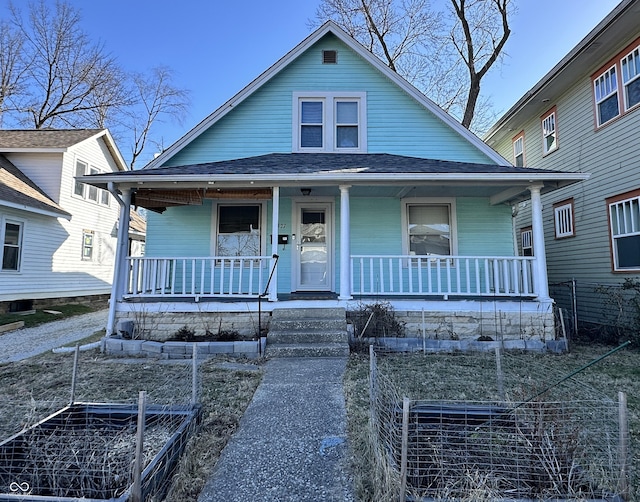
(316, 163)
(12, 139)
(18, 189)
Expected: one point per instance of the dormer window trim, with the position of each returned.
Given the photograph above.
(329, 131)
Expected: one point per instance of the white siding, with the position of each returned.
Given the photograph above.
(44, 169)
(52, 264)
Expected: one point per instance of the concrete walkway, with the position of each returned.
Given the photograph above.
(27, 342)
(292, 440)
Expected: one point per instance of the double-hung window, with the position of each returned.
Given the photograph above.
(605, 88)
(239, 229)
(87, 245)
(563, 219)
(630, 66)
(624, 227)
(518, 150)
(89, 192)
(12, 245)
(549, 132)
(429, 227)
(329, 122)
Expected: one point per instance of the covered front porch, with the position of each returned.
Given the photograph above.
(342, 228)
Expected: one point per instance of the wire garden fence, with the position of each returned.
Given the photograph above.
(516, 441)
(104, 440)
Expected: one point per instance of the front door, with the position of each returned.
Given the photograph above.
(313, 255)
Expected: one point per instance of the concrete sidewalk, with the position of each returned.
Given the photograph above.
(292, 440)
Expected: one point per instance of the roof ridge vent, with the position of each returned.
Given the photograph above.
(329, 57)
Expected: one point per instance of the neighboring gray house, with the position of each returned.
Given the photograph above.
(584, 116)
(58, 235)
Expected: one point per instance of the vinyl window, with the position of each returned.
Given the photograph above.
(526, 241)
(549, 133)
(429, 227)
(89, 192)
(518, 151)
(605, 88)
(239, 230)
(624, 227)
(630, 66)
(329, 122)
(87, 245)
(12, 245)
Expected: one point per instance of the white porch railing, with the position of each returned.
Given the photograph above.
(213, 276)
(508, 276)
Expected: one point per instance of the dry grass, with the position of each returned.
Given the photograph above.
(472, 377)
(31, 389)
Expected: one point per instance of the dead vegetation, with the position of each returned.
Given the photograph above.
(33, 389)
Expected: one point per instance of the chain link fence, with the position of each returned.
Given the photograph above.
(93, 428)
(513, 437)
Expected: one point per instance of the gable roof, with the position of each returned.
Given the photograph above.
(19, 192)
(327, 27)
(55, 140)
(591, 52)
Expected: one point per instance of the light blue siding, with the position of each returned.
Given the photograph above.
(179, 231)
(484, 229)
(263, 122)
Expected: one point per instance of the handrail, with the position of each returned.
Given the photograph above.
(266, 292)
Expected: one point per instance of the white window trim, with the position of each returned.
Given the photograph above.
(21, 223)
(85, 188)
(435, 201)
(526, 240)
(635, 230)
(329, 100)
(631, 55)
(263, 222)
(601, 80)
(550, 117)
(563, 220)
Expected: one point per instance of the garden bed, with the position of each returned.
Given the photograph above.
(86, 451)
(183, 350)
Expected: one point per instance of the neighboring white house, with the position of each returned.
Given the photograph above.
(58, 235)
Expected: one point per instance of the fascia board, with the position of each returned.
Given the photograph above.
(111, 146)
(30, 209)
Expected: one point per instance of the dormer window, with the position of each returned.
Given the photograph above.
(329, 122)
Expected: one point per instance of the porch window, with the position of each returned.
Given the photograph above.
(605, 89)
(12, 248)
(624, 227)
(563, 219)
(630, 65)
(429, 229)
(518, 150)
(549, 132)
(239, 230)
(526, 241)
(329, 122)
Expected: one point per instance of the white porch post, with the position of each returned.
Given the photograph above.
(120, 269)
(541, 280)
(275, 224)
(345, 244)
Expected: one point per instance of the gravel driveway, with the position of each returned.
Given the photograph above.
(28, 342)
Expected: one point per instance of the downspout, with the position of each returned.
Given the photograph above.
(121, 251)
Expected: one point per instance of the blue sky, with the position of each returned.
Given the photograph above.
(217, 47)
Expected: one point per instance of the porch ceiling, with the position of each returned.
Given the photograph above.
(379, 175)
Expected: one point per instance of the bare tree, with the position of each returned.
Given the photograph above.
(12, 64)
(157, 98)
(66, 70)
(445, 56)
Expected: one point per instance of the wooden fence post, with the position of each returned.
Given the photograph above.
(136, 489)
(405, 448)
(623, 450)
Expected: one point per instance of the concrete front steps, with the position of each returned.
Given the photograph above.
(315, 332)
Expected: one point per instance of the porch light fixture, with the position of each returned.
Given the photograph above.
(305, 191)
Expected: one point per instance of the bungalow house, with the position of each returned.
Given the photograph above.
(331, 181)
(58, 235)
(584, 115)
